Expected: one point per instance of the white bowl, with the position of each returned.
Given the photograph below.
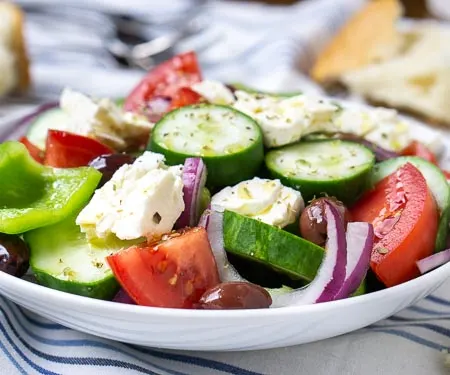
(218, 330)
(226, 330)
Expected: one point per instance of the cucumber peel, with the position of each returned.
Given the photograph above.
(229, 142)
(361, 289)
(274, 247)
(328, 167)
(63, 259)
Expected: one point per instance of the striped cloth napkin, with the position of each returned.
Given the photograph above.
(259, 47)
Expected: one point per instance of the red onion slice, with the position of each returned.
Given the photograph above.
(194, 180)
(213, 222)
(123, 297)
(433, 261)
(381, 153)
(331, 275)
(157, 107)
(341, 272)
(359, 248)
(204, 219)
(18, 127)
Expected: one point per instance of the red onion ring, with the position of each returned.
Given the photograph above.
(433, 261)
(194, 180)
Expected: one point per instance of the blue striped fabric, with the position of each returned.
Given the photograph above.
(264, 54)
(33, 345)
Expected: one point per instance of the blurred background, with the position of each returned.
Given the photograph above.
(104, 33)
(72, 39)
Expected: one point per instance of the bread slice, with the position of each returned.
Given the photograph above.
(417, 80)
(369, 36)
(14, 62)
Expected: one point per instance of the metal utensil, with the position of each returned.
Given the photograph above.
(149, 51)
(132, 40)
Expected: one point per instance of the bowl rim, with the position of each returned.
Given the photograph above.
(18, 284)
(106, 307)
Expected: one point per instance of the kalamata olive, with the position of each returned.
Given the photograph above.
(235, 295)
(109, 164)
(313, 226)
(14, 255)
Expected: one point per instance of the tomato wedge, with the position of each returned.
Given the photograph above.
(405, 219)
(165, 80)
(174, 272)
(36, 153)
(185, 96)
(68, 150)
(419, 149)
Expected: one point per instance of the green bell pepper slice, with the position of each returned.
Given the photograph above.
(33, 195)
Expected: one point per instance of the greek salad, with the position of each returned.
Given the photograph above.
(191, 193)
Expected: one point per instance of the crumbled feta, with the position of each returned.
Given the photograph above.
(104, 120)
(380, 125)
(214, 92)
(261, 199)
(141, 199)
(354, 121)
(285, 120)
(390, 131)
(320, 112)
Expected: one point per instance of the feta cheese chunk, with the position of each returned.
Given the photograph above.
(381, 126)
(261, 199)
(104, 120)
(390, 132)
(214, 92)
(141, 199)
(285, 120)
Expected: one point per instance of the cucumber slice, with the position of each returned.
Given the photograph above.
(229, 142)
(330, 167)
(55, 119)
(437, 184)
(276, 248)
(61, 258)
(205, 199)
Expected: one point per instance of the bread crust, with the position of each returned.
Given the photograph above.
(18, 45)
(354, 45)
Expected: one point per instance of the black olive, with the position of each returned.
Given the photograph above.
(235, 295)
(14, 255)
(313, 225)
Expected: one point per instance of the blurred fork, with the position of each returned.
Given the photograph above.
(151, 51)
(132, 40)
